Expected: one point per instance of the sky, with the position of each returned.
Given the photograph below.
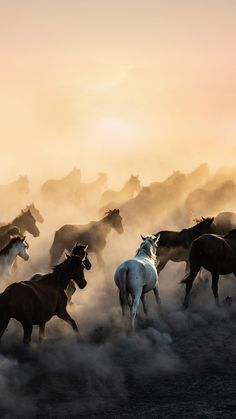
(116, 85)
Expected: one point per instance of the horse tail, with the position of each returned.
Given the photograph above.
(56, 248)
(123, 286)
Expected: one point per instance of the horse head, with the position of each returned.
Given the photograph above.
(35, 212)
(77, 265)
(81, 250)
(29, 223)
(114, 218)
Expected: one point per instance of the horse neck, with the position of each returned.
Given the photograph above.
(61, 278)
(194, 231)
(143, 255)
(20, 223)
(106, 226)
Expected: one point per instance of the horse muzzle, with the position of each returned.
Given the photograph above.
(82, 285)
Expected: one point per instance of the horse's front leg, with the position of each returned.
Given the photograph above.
(28, 327)
(64, 315)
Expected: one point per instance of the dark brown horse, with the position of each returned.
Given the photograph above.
(175, 245)
(215, 253)
(94, 234)
(23, 222)
(35, 302)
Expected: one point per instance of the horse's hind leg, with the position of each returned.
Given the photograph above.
(157, 294)
(28, 327)
(145, 308)
(3, 324)
(134, 307)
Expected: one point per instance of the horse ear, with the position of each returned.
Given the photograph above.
(203, 219)
(142, 237)
(68, 256)
(85, 247)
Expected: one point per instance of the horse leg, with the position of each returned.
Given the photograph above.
(145, 308)
(64, 315)
(41, 332)
(157, 294)
(3, 324)
(28, 327)
(215, 279)
(161, 265)
(134, 307)
(189, 283)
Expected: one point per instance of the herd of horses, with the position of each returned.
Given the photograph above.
(209, 244)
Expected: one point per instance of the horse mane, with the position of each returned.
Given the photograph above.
(13, 240)
(61, 267)
(145, 249)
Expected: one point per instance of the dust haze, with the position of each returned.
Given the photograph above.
(64, 376)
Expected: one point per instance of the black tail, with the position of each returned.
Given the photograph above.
(123, 287)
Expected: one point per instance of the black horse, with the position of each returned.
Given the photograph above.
(175, 245)
(215, 253)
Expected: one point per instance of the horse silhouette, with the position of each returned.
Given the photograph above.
(128, 191)
(215, 253)
(175, 245)
(94, 234)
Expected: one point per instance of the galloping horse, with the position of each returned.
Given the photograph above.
(215, 253)
(94, 234)
(35, 302)
(16, 247)
(128, 191)
(175, 245)
(138, 276)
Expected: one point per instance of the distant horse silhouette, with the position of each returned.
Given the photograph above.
(128, 191)
(199, 199)
(94, 234)
(216, 254)
(137, 276)
(88, 194)
(19, 187)
(16, 247)
(13, 195)
(58, 190)
(35, 302)
(175, 245)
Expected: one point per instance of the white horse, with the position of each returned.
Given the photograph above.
(135, 277)
(16, 247)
